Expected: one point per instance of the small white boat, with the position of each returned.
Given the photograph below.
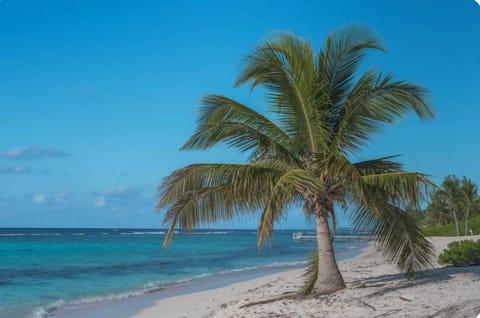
(297, 236)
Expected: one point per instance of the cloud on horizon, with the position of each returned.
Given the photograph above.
(38, 198)
(32, 152)
(53, 200)
(100, 202)
(14, 170)
(117, 198)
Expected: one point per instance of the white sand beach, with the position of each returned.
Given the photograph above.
(374, 289)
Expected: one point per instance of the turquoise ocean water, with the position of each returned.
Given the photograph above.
(45, 269)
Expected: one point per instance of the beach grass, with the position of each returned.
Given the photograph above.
(449, 229)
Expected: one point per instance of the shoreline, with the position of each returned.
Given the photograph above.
(375, 288)
(135, 301)
(132, 302)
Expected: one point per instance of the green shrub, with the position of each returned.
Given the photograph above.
(461, 253)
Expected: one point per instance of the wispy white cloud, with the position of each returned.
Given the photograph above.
(122, 197)
(58, 198)
(118, 191)
(38, 201)
(52, 200)
(14, 170)
(38, 198)
(32, 152)
(100, 202)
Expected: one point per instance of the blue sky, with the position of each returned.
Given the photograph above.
(96, 97)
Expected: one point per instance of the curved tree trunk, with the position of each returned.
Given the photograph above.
(329, 279)
(456, 222)
(466, 220)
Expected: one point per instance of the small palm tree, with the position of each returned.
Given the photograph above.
(437, 212)
(470, 198)
(321, 113)
(450, 194)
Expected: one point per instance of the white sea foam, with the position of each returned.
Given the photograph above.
(143, 233)
(31, 234)
(150, 287)
(149, 233)
(206, 233)
(271, 265)
(78, 234)
(44, 311)
(159, 285)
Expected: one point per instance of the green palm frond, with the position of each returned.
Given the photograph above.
(396, 232)
(310, 275)
(340, 170)
(404, 189)
(209, 200)
(373, 102)
(245, 177)
(376, 203)
(380, 165)
(225, 120)
(469, 190)
(284, 193)
(206, 193)
(380, 209)
(286, 67)
(338, 62)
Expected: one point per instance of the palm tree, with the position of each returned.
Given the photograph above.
(321, 113)
(470, 197)
(450, 193)
(437, 212)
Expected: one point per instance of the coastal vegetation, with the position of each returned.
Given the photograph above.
(454, 209)
(461, 253)
(321, 112)
(450, 230)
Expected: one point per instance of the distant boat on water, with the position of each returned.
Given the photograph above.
(298, 236)
(359, 236)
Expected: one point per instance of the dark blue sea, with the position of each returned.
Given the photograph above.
(42, 270)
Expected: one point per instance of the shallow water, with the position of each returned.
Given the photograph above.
(44, 269)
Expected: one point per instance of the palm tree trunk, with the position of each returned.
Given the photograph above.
(329, 279)
(466, 220)
(456, 222)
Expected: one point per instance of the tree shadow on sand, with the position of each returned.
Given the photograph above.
(386, 284)
(421, 278)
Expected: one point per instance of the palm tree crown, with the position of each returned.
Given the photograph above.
(321, 112)
(470, 198)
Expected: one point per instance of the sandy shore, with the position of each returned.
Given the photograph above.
(374, 289)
